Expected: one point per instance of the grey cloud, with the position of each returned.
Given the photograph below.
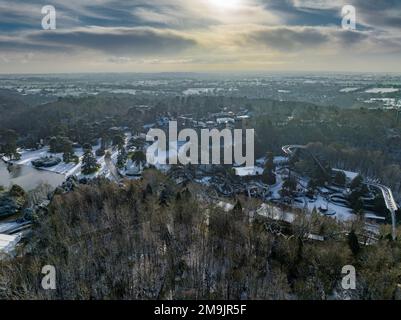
(349, 38)
(119, 41)
(302, 38)
(382, 15)
(378, 14)
(8, 44)
(288, 39)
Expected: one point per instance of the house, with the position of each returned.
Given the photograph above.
(225, 120)
(248, 171)
(8, 243)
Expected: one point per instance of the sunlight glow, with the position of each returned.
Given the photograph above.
(226, 4)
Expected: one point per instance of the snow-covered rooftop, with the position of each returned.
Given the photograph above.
(8, 242)
(224, 120)
(248, 171)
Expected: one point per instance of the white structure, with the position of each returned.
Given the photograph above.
(8, 242)
(248, 171)
(225, 120)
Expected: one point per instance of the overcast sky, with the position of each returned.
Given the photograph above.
(199, 35)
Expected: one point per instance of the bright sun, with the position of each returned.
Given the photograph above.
(226, 4)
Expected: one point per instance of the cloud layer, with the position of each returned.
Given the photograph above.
(199, 35)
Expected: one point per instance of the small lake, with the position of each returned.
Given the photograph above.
(27, 177)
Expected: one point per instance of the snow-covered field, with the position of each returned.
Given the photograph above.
(341, 213)
(7, 226)
(69, 169)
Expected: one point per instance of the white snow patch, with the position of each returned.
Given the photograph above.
(382, 90)
(248, 171)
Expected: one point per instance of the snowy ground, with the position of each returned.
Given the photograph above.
(69, 169)
(340, 212)
(335, 210)
(382, 90)
(277, 187)
(7, 226)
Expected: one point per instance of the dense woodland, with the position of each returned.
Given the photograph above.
(364, 140)
(151, 239)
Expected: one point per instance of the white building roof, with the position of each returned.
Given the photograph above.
(224, 120)
(8, 242)
(248, 171)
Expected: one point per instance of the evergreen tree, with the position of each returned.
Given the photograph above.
(186, 194)
(8, 144)
(163, 198)
(100, 152)
(356, 183)
(121, 158)
(268, 175)
(237, 210)
(290, 184)
(269, 165)
(138, 158)
(89, 163)
(53, 145)
(87, 146)
(311, 188)
(118, 140)
(148, 191)
(353, 242)
(340, 178)
(68, 151)
(104, 141)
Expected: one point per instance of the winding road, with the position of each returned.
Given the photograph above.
(112, 168)
(391, 204)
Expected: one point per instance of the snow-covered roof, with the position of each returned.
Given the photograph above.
(8, 242)
(224, 120)
(248, 171)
